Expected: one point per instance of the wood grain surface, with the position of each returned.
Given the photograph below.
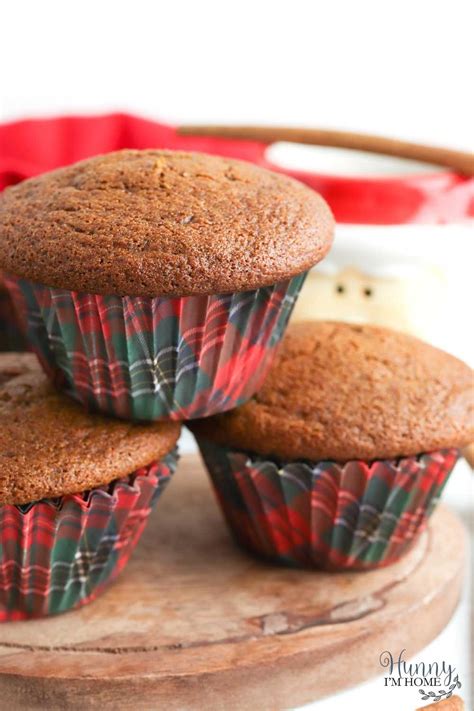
(196, 623)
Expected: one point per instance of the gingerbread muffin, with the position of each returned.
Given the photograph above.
(75, 492)
(157, 283)
(340, 458)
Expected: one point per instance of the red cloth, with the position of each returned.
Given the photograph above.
(34, 146)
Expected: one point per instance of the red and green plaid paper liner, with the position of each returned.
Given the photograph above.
(156, 358)
(356, 515)
(58, 554)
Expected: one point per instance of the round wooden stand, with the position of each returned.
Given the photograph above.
(196, 623)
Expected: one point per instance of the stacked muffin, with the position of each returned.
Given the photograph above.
(338, 461)
(157, 284)
(75, 492)
(154, 287)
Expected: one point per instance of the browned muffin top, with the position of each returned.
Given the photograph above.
(49, 446)
(149, 223)
(340, 392)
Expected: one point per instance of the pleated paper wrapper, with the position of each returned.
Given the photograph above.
(156, 358)
(357, 515)
(58, 554)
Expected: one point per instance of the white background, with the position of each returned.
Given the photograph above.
(398, 68)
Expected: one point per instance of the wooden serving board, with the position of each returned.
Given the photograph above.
(196, 623)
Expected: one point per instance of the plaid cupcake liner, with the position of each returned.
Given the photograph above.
(356, 515)
(58, 554)
(156, 358)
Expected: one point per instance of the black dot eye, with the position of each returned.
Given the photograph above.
(368, 292)
(340, 288)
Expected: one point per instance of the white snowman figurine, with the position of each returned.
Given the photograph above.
(414, 278)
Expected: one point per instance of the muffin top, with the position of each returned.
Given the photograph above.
(341, 392)
(50, 446)
(151, 223)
